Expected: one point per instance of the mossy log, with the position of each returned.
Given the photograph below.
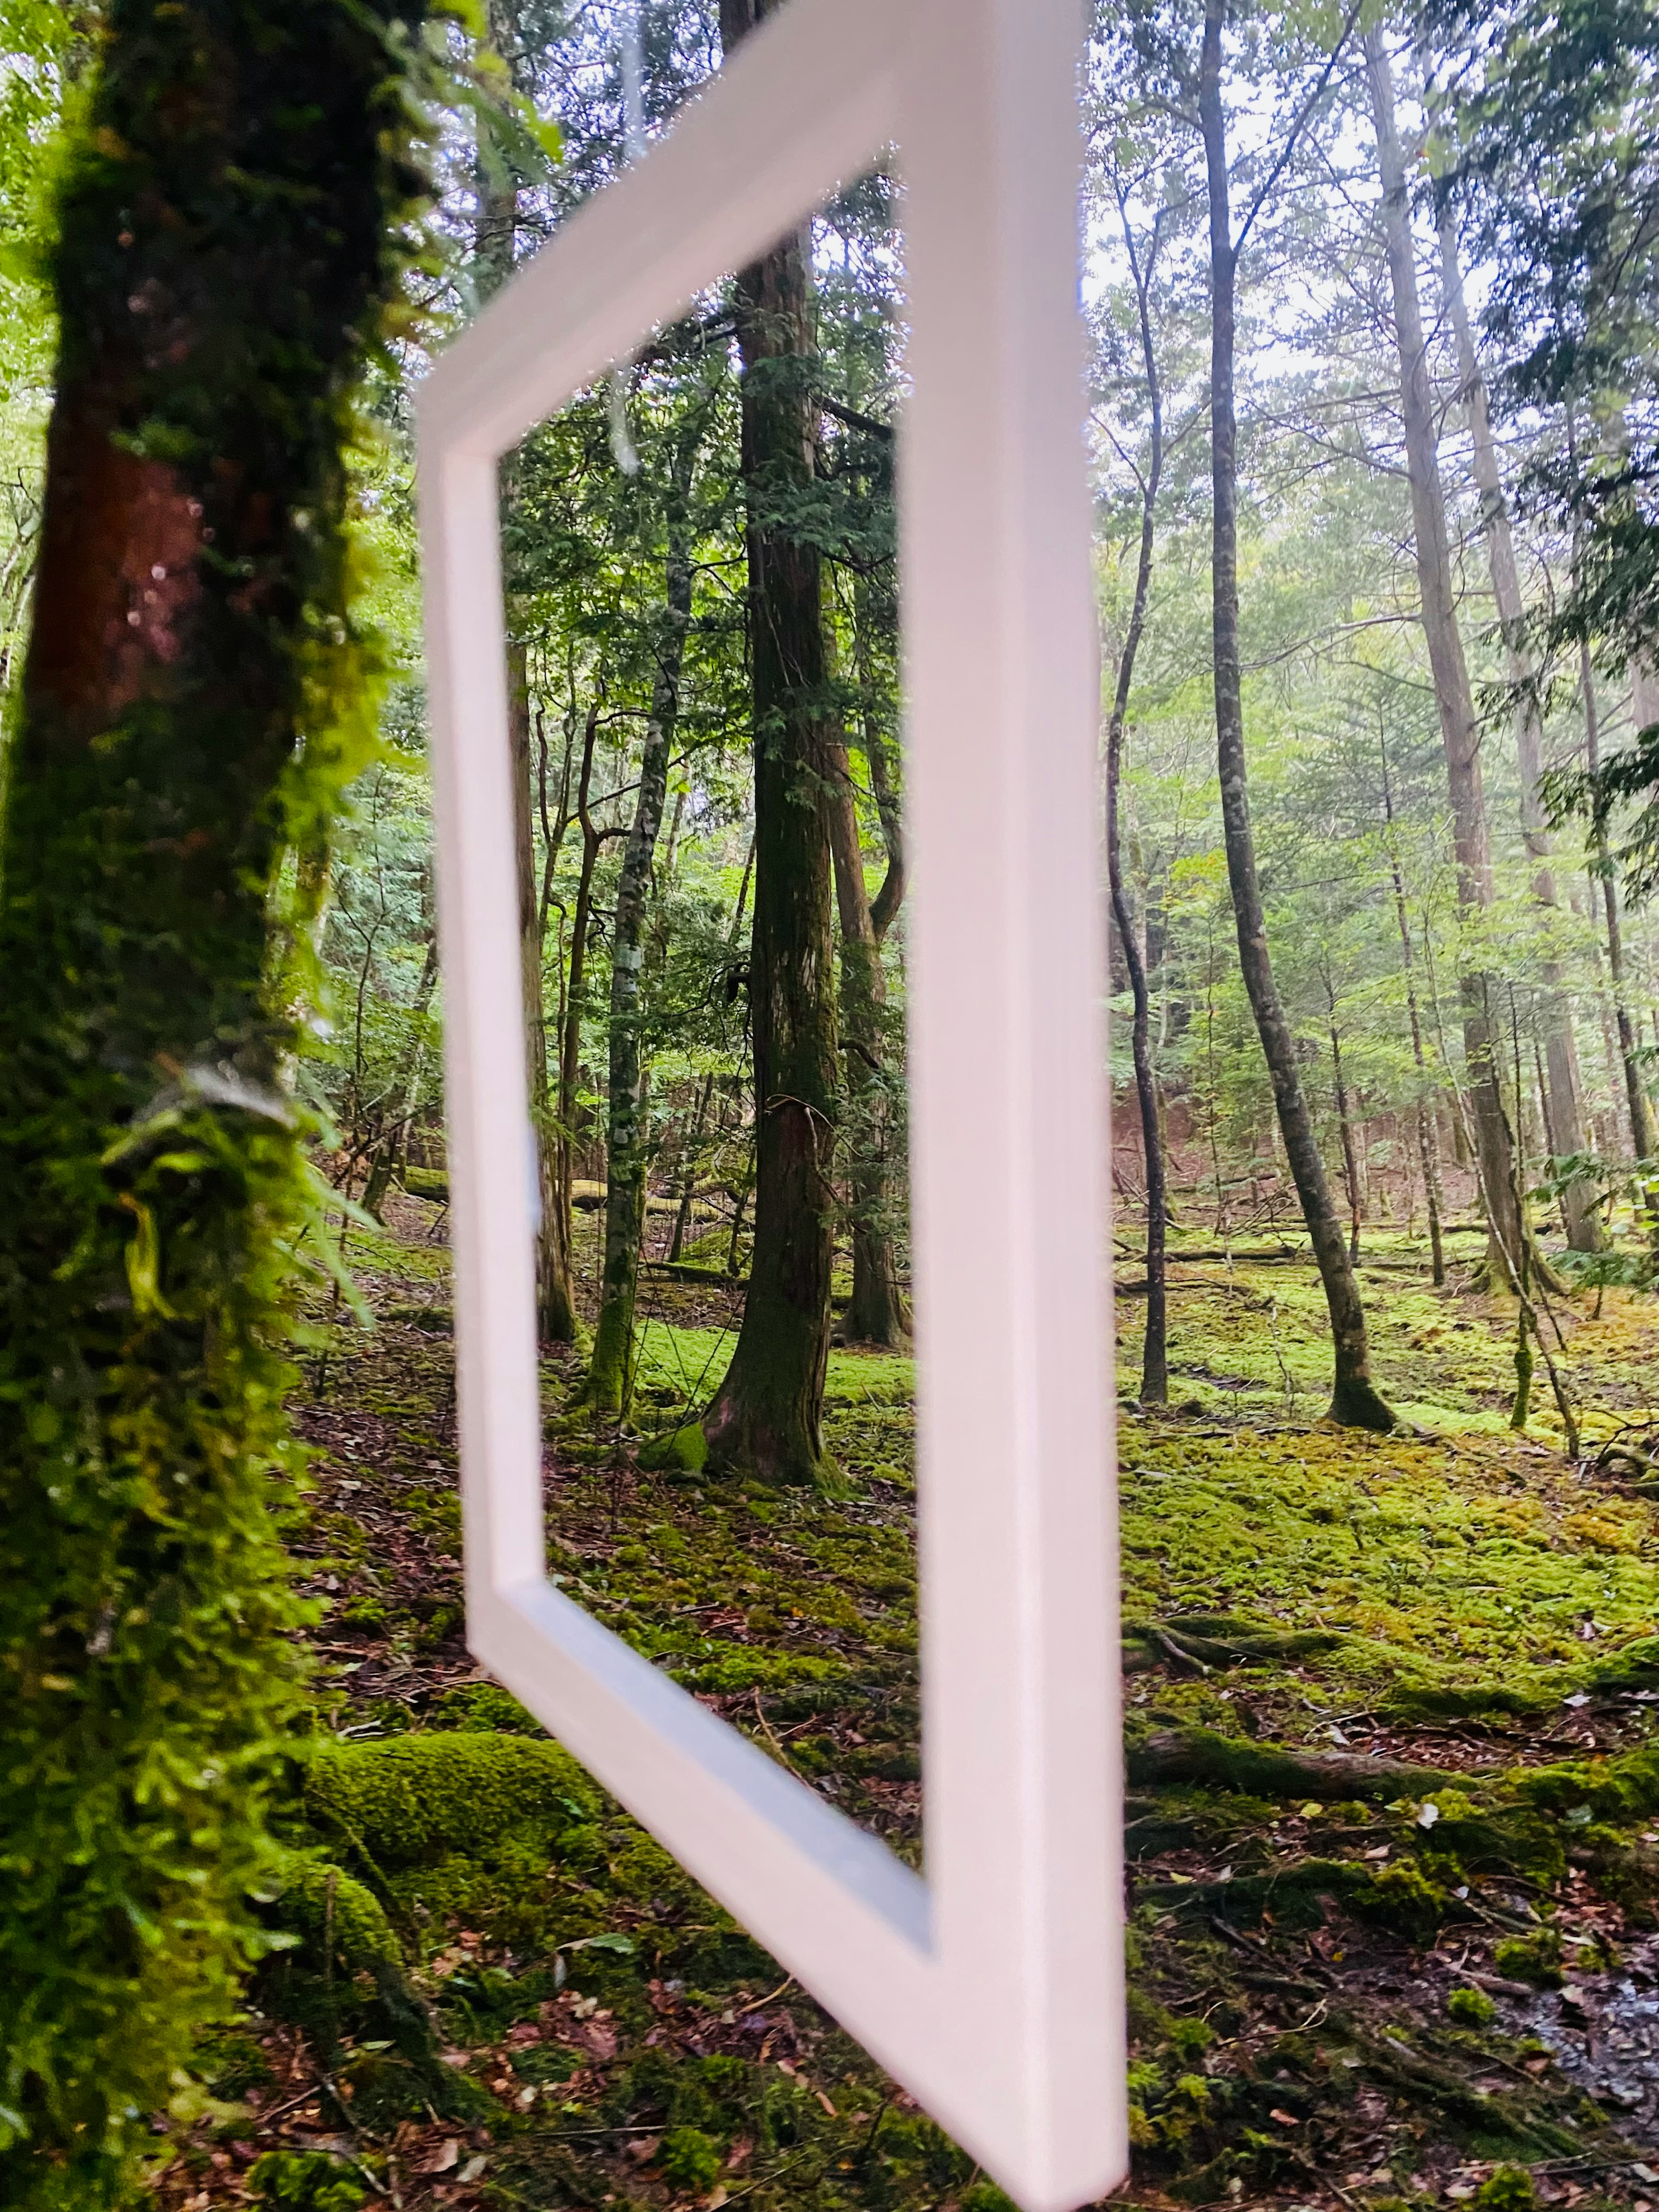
(1195, 1642)
(1196, 1757)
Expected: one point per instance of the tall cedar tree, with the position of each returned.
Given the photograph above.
(1354, 1401)
(768, 1413)
(229, 239)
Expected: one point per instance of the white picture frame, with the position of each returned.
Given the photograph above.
(993, 1988)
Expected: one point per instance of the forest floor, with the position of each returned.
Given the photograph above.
(1394, 1813)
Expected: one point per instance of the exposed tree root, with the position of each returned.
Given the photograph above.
(1175, 1757)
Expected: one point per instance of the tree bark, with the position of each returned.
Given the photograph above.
(1428, 1148)
(1154, 1358)
(223, 255)
(767, 1415)
(1345, 1125)
(611, 1374)
(1354, 1400)
(556, 1308)
(1562, 1082)
(1459, 729)
(1642, 1136)
(876, 1314)
(394, 1143)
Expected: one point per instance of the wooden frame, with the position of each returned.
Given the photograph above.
(992, 1989)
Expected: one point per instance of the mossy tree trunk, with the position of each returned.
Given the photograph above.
(225, 245)
(610, 1373)
(1354, 1400)
(768, 1412)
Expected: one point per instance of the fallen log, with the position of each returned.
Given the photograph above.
(1196, 1757)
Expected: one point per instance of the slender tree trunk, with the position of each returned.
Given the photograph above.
(1345, 1124)
(394, 1145)
(1155, 1356)
(1428, 1148)
(1642, 1136)
(611, 1375)
(556, 1308)
(689, 1181)
(1563, 1084)
(878, 1314)
(576, 1002)
(1459, 729)
(768, 1413)
(1354, 1401)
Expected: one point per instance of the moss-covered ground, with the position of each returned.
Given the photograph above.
(1394, 1810)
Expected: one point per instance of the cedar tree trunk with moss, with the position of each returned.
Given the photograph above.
(768, 1413)
(226, 246)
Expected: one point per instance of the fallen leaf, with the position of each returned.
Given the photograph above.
(445, 2158)
(1285, 2120)
(473, 2168)
(826, 2104)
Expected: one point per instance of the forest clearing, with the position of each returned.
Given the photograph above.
(1353, 410)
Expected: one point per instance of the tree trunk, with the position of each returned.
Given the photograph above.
(1354, 1401)
(1643, 1136)
(1345, 1124)
(394, 1145)
(611, 1376)
(688, 1183)
(1155, 1357)
(876, 1314)
(1562, 1084)
(1459, 729)
(1428, 1149)
(170, 740)
(768, 1414)
(556, 1309)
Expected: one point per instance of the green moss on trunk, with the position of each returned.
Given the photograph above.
(225, 248)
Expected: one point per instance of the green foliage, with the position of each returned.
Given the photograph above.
(1471, 2008)
(690, 2158)
(305, 2181)
(152, 1184)
(1507, 2188)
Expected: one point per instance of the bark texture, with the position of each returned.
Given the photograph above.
(224, 252)
(767, 1415)
(1562, 1086)
(1354, 1400)
(1459, 731)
